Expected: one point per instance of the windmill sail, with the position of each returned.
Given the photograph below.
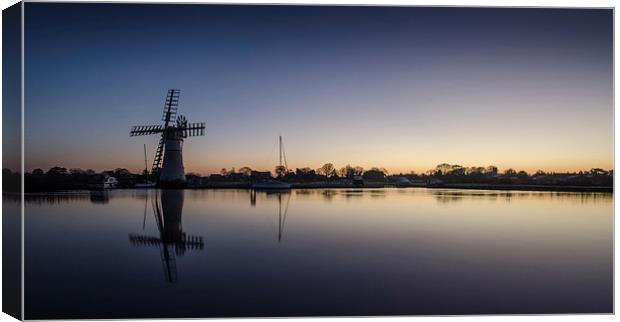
(146, 130)
(171, 106)
(170, 111)
(159, 155)
(195, 129)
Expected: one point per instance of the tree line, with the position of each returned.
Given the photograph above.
(329, 170)
(60, 178)
(444, 169)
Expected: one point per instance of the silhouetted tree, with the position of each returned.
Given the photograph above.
(598, 171)
(491, 169)
(358, 171)
(280, 171)
(347, 171)
(57, 171)
(475, 170)
(327, 170)
(457, 170)
(443, 169)
(246, 171)
(374, 174)
(121, 172)
(303, 171)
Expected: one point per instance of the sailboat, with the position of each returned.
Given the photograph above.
(147, 183)
(271, 184)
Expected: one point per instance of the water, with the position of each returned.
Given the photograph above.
(317, 252)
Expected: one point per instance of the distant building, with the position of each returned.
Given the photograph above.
(402, 181)
(418, 183)
(432, 182)
(102, 182)
(194, 180)
(110, 183)
(490, 175)
(260, 175)
(237, 177)
(216, 178)
(358, 181)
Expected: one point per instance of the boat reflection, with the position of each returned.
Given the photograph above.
(281, 214)
(99, 196)
(167, 206)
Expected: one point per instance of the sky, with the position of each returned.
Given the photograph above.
(405, 88)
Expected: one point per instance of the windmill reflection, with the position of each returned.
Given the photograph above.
(172, 241)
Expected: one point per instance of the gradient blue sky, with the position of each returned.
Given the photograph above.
(403, 88)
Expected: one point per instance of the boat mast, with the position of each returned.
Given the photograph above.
(283, 155)
(146, 167)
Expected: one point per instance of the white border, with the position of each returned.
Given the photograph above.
(520, 3)
(22, 160)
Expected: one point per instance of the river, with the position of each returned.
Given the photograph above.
(319, 252)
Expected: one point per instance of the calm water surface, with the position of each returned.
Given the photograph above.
(214, 253)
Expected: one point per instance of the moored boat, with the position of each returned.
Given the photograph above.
(110, 183)
(281, 170)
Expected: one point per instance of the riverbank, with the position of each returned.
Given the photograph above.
(370, 185)
(528, 187)
(465, 186)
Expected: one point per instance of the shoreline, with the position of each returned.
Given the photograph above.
(457, 186)
(462, 186)
(528, 188)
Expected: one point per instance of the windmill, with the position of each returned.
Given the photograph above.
(168, 160)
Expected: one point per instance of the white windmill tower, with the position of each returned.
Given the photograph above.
(168, 161)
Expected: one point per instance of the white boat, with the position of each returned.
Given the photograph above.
(402, 182)
(110, 183)
(271, 185)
